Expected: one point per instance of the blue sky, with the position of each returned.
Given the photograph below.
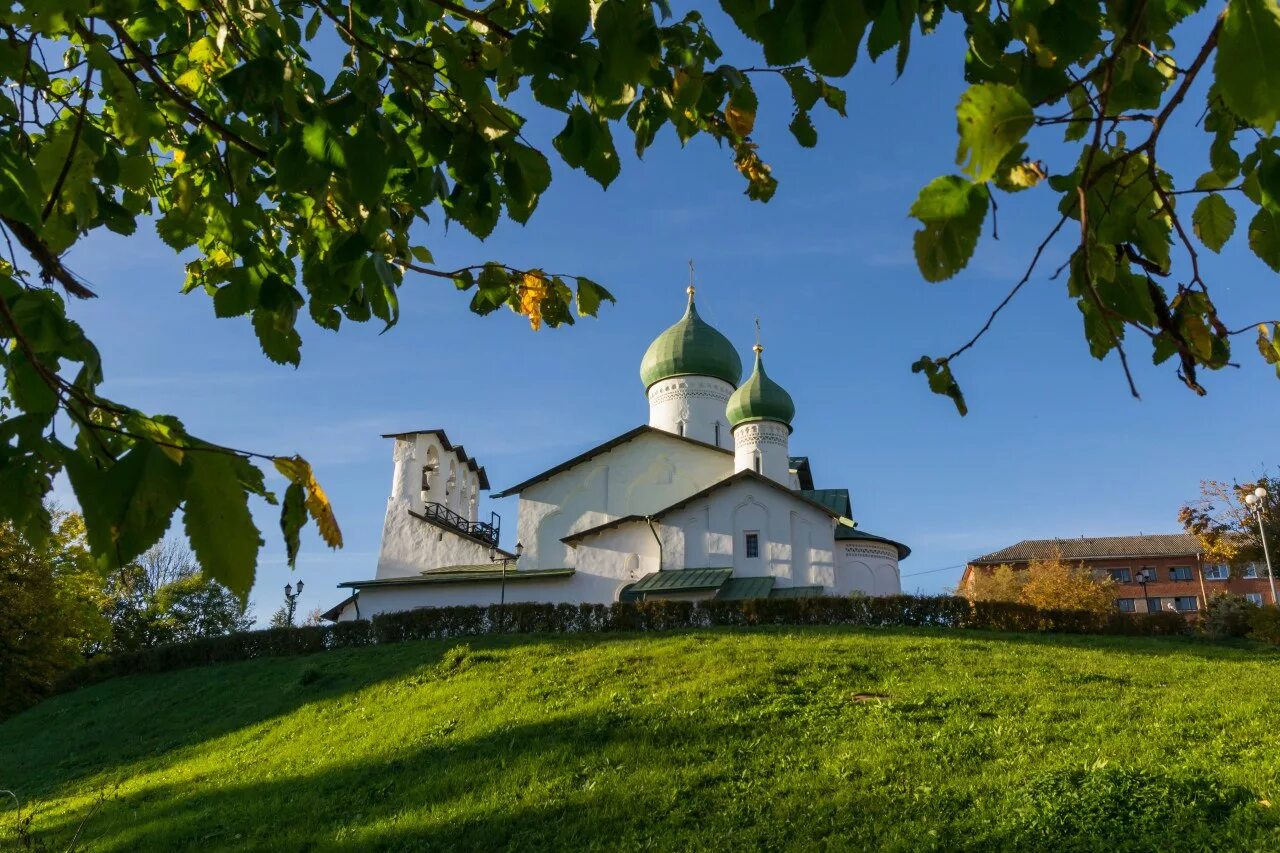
(1053, 445)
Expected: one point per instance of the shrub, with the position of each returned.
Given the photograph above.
(1264, 624)
(1226, 616)
(438, 623)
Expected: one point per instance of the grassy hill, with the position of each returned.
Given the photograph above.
(814, 738)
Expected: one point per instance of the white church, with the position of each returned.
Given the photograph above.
(705, 501)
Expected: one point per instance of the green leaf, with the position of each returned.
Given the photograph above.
(1247, 67)
(293, 515)
(279, 340)
(20, 194)
(1213, 221)
(941, 381)
(217, 520)
(323, 144)
(952, 210)
(992, 118)
(526, 175)
(586, 143)
(128, 505)
(1264, 237)
(367, 162)
(803, 130)
(835, 35)
(590, 296)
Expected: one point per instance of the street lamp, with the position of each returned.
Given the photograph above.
(291, 599)
(1254, 500)
(1145, 576)
(506, 558)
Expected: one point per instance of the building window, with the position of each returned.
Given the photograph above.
(1127, 605)
(1180, 573)
(1216, 573)
(755, 462)
(1254, 597)
(1121, 575)
(679, 427)
(1186, 603)
(1250, 571)
(717, 433)
(753, 544)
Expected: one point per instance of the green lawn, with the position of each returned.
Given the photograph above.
(805, 738)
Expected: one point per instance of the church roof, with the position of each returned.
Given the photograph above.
(727, 481)
(692, 347)
(795, 592)
(680, 580)
(847, 534)
(760, 399)
(458, 450)
(836, 499)
(463, 574)
(629, 435)
(800, 465)
(741, 589)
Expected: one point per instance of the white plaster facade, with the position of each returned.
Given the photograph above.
(692, 406)
(763, 447)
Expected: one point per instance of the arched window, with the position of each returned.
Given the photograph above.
(429, 471)
(755, 461)
(717, 433)
(679, 427)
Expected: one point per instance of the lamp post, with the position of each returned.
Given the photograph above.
(1254, 500)
(502, 595)
(291, 599)
(1145, 577)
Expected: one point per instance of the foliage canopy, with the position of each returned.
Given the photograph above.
(294, 187)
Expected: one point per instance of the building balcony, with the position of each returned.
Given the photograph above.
(445, 517)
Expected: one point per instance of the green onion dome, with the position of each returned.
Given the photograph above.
(690, 348)
(760, 399)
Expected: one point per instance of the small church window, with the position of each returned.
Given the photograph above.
(755, 462)
(753, 544)
(717, 433)
(680, 427)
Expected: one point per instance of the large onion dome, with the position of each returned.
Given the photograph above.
(690, 348)
(760, 399)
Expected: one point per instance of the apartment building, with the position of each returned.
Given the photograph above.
(1156, 572)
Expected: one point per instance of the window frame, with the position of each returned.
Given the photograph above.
(1177, 603)
(1216, 568)
(1131, 602)
(750, 543)
(1128, 573)
(1255, 597)
(1174, 570)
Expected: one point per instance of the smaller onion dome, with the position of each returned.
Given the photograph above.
(692, 347)
(760, 399)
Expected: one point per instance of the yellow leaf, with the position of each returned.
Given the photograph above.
(741, 121)
(533, 289)
(298, 470)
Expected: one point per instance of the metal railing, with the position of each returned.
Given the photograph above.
(441, 514)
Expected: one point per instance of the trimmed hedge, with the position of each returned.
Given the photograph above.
(448, 622)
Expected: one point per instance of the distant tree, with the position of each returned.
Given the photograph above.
(1053, 584)
(163, 597)
(280, 619)
(49, 608)
(1050, 584)
(1226, 526)
(315, 617)
(1003, 583)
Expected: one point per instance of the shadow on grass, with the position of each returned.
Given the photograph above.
(600, 781)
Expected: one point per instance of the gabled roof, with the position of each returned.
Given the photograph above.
(457, 450)
(462, 574)
(629, 435)
(727, 481)
(1097, 547)
(800, 464)
(835, 499)
(332, 614)
(854, 534)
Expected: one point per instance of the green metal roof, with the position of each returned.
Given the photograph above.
(760, 399)
(691, 347)
(854, 534)
(800, 464)
(680, 580)
(740, 589)
(836, 500)
(795, 592)
(463, 574)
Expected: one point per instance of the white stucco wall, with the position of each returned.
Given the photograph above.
(375, 600)
(696, 402)
(640, 477)
(768, 440)
(867, 567)
(411, 545)
(796, 540)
